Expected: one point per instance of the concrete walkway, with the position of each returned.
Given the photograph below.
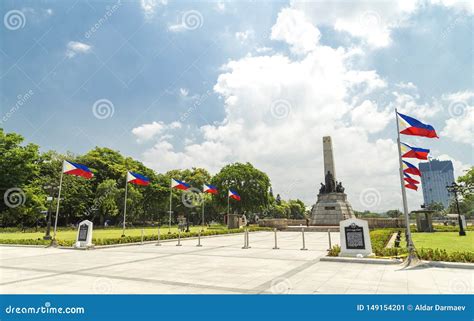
(220, 266)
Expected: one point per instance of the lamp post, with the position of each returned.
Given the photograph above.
(455, 189)
(50, 198)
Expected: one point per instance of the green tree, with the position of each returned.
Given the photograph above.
(251, 184)
(394, 213)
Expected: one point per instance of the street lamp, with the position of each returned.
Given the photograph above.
(50, 189)
(455, 189)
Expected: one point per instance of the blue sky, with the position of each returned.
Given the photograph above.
(179, 84)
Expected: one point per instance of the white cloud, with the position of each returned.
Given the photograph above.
(367, 116)
(183, 92)
(244, 36)
(146, 132)
(311, 93)
(460, 127)
(293, 27)
(409, 104)
(76, 47)
(371, 21)
(461, 5)
(149, 7)
(459, 167)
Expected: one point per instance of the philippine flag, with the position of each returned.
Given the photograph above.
(409, 179)
(414, 127)
(137, 179)
(413, 152)
(411, 186)
(410, 168)
(179, 184)
(75, 169)
(234, 195)
(211, 189)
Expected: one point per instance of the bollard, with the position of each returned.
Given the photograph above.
(179, 238)
(245, 240)
(158, 241)
(304, 245)
(329, 238)
(276, 245)
(199, 240)
(248, 243)
(142, 237)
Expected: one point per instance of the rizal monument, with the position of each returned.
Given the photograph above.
(332, 205)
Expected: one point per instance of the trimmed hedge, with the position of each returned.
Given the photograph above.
(134, 239)
(380, 238)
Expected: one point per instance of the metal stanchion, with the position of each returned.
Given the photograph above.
(329, 238)
(304, 245)
(276, 244)
(179, 238)
(142, 237)
(246, 240)
(158, 241)
(199, 240)
(248, 243)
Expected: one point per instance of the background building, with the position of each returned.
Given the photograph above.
(436, 175)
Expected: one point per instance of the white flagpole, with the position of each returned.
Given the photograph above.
(125, 205)
(203, 200)
(57, 205)
(171, 195)
(228, 204)
(411, 247)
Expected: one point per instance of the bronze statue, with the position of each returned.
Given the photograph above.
(330, 184)
(322, 189)
(339, 188)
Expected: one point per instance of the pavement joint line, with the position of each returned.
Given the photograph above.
(266, 285)
(92, 268)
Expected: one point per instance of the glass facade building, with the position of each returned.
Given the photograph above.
(435, 176)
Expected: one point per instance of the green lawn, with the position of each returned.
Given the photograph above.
(449, 241)
(70, 235)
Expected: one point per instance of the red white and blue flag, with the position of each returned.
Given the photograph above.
(137, 179)
(75, 169)
(410, 179)
(411, 126)
(413, 152)
(211, 189)
(179, 184)
(234, 195)
(411, 186)
(409, 168)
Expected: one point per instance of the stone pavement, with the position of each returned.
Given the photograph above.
(220, 266)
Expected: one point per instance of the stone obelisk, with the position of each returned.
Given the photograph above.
(328, 156)
(332, 205)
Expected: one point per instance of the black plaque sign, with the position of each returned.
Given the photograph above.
(83, 231)
(354, 237)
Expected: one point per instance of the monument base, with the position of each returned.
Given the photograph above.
(330, 209)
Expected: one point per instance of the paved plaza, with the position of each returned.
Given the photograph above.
(219, 266)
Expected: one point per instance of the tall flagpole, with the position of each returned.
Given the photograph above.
(53, 242)
(125, 205)
(171, 195)
(203, 201)
(411, 248)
